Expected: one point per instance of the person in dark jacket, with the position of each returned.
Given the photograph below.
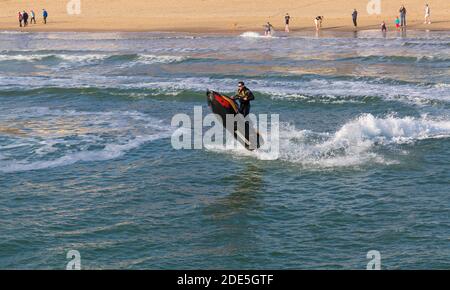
(244, 95)
(355, 17)
(25, 18)
(403, 16)
(44, 15)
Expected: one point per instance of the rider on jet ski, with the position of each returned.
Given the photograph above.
(244, 95)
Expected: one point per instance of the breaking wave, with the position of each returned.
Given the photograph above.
(93, 58)
(356, 143)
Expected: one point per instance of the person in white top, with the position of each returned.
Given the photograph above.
(427, 14)
(318, 22)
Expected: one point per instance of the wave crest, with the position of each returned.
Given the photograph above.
(356, 143)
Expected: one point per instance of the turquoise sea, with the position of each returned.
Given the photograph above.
(86, 161)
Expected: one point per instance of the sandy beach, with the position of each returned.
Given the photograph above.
(216, 16)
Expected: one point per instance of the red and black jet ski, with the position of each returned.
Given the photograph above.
(222, 106)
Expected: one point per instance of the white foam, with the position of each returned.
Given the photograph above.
(56, 138)
(23, 57)
(392, 129)
(111, 151)
(251, 34)
(150, 58)
(13, 32)
(91, 58)
(326, 91)
(82, 57)
(354, 144)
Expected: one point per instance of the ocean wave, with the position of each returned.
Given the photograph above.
(147, 59)
(51, 138)
(356, 143)
(12, 32)
(390, 130)
(324, 99)
(23, 57)
(398, 59)
(96, 58)
(426, 43)
(251, 34)
(327, 90)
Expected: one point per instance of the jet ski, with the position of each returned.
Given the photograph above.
(222, 106)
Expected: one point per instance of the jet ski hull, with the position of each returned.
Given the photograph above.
(222, 106)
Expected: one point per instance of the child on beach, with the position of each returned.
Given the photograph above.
(383, 27)
(397, 23)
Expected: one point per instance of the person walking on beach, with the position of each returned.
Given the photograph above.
(427, 14)
(318, 22)
(25, 18)
(33, 17)
(286, 22)
(403, 16)
(355, 18)
(20, 19)
(44, 15)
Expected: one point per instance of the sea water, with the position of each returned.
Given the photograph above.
(86, 161)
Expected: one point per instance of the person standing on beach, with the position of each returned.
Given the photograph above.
(25, 18)
(383, 27)
(33, 17)
(318, 22)
(44, 15)
(427, 14)
(355, 18)
(20, 19)
(268, 29)
(403, 16)
(286, 22)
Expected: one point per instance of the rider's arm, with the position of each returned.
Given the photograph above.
(249, 96)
